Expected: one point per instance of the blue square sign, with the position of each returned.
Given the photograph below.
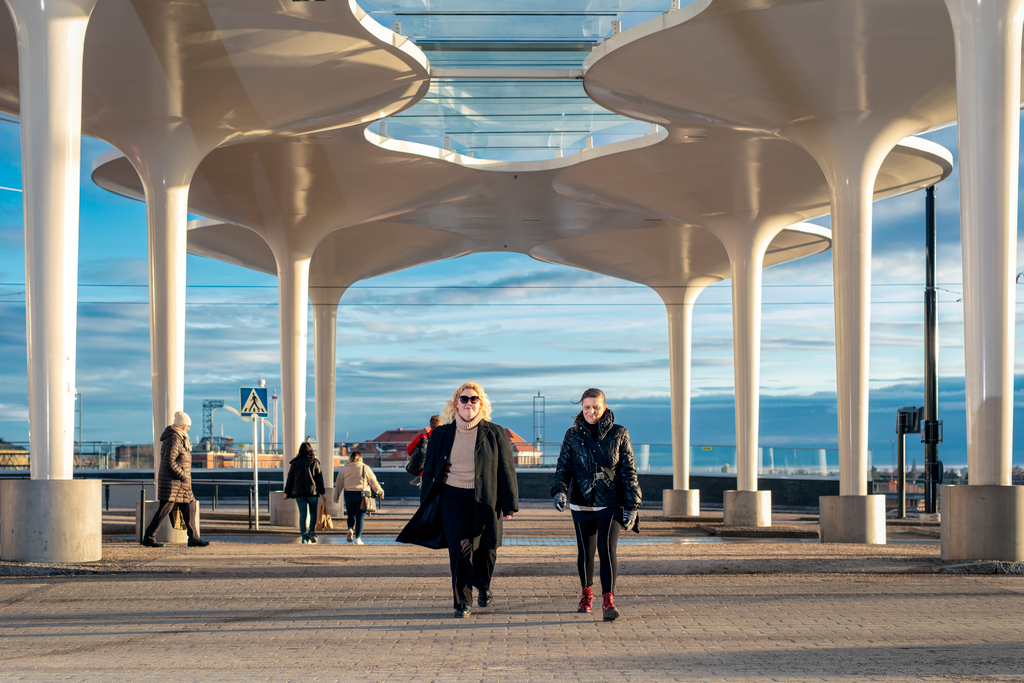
(253, 401)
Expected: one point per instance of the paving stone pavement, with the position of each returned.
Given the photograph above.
(692, 610)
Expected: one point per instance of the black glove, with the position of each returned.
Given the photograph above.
(629, 518)
(560, 500)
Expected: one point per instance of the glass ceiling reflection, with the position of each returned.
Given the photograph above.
(510, 119)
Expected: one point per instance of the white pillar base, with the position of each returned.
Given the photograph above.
(165, 533)
(681, 502)
(748, 508)
(51, 520)
(852, 519)
(283, 511)
(982, 523)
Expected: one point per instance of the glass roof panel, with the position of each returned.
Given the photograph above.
(510, 119)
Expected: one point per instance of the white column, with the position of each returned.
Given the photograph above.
(984, 520)
(746, 245)
(851, 161)
(167, 186)
(681, 500)
(293, 288)
(850, 157)
(679, 308)
(51, 41)
(988, 55)
(325, 332)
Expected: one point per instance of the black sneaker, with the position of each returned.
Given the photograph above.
(462, 611)
(197, 543)
(312, 538)
(150, 543)
(485, 598)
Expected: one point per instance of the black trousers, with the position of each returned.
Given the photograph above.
(470, 568)
(188, 511)
(600, 533)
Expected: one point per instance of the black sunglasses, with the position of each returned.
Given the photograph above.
(469, 399)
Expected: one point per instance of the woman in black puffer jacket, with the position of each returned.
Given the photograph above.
(596, 476)
(305, 484)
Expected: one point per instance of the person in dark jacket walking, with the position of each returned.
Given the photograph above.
(305, 484)
(469, 488)
(417, 451)
(174, 482)
(596, 476)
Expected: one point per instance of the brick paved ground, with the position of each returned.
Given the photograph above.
(699, 610)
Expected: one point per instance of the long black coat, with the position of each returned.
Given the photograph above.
(496, 491)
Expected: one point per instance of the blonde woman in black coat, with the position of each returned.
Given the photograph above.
(596, 477)
(469, 487)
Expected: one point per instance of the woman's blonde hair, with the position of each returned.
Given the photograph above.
(451, 407)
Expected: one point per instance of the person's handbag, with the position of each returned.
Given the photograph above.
(323, 519)
(367, 504)
(177, 519)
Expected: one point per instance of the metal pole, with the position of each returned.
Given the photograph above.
(255, 474)
(930, 431)
(901, 472)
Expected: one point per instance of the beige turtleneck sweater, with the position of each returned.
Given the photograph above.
(462, 474)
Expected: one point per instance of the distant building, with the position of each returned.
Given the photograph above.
(13, 457)
(388, 449)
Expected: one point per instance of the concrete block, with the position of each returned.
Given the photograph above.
(283, 511)
(336, 509)
(165, 533)
(127, 496)
(51, 520)
(852, 519)
(982, 523)
(748, 508)
(681, 502)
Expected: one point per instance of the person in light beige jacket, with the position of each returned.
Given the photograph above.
(354, 478)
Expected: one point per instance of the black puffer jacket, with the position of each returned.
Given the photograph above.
(305, 479)
(598, 473)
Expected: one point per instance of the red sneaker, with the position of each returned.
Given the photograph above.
(610, 613)
(587, 601)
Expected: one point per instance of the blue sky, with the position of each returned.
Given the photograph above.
(405, 340)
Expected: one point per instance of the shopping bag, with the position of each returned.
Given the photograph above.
(323, 519)
(177, 519)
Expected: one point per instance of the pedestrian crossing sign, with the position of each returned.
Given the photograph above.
(254, 401)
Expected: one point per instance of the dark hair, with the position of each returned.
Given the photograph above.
(305, 450)
(435, 421)
(592, 393)
(580, 421)
(353, 455)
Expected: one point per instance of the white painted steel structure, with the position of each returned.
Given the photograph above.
(848, 79)
(167, 83)
(486, 202)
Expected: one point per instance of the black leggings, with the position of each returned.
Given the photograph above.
(601, 534)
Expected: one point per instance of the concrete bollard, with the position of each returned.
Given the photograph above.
(51, 520)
